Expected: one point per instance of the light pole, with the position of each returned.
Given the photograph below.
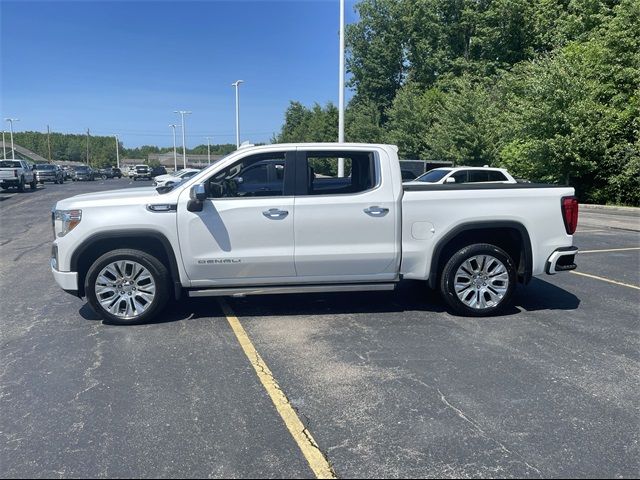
(4, 147)
(11, 120)
(341, 91)
(175, 154)
(237, 84)
(209, 150)
(117, 150)
(184, 145)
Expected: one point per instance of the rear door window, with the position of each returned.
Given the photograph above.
(322, 173)
(476, 176)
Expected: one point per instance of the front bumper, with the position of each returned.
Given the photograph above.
(68, 281)
(561, 260)
(46, 178)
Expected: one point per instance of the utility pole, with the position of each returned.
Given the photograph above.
(237, 84)
(184, 145)
(341, 91)
(11, 120)
(49, 142)
(87, 158)
(117, 150)
(209, 150)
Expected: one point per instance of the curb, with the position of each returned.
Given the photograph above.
(589, 206)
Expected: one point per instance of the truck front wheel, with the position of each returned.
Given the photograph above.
(127, 286)
(478, 280)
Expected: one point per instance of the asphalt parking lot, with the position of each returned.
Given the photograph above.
(388, 384)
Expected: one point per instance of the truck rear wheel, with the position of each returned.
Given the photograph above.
(21, 185)
(478, 280)
(127, 287)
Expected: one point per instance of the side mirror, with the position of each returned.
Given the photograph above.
(197, 196)
(450, 180)
(198, 192)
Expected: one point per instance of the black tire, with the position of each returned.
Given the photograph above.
(21, 185)
(156, 268)
(484, 287)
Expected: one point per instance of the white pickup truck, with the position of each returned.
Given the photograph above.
(277, 219)
(17, 173)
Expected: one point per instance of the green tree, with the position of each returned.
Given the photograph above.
(411, 117)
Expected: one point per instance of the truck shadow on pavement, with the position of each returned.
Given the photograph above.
(409, 296)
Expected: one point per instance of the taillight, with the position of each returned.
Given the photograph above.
(570, 214)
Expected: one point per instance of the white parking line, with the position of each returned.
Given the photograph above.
(609, 250)
(605, 280)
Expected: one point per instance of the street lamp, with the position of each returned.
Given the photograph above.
(117, 150)
(4, 147)
(341, 91)
(11, 120)
(175, 154)
(184, 145)
(237, 84)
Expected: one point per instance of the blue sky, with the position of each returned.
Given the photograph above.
(124, 67)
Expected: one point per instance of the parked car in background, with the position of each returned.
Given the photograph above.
(466, 175)
(142, 172)
(109, 172)
(48, 172)
(83, 172)
(130, 171)
(157, 171)
(173, 178)
(68, 172)
(17, 173)
(407, 175)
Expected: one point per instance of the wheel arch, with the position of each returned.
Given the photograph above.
(150, 241)
(511, 236)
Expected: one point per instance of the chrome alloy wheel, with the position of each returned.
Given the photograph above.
(481, 282)
(125, 289)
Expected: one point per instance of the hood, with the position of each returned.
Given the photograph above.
(127, 196)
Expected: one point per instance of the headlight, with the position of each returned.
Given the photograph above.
(64, 221)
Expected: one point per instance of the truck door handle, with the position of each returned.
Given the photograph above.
(275, 213)
(376, 211)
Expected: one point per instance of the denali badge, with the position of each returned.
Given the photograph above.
(219, 260)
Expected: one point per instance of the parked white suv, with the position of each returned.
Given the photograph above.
(175, 177)
(466, 175)
(277, 219)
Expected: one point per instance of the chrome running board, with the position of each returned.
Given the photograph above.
(276, 289)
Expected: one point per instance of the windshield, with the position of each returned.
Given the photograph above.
(10, 164)
(81, 169)
(45, 167)
(181, 173)
(433, 176)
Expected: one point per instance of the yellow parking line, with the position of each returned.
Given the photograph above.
(317, 461)
(610, 250)
(605, 279)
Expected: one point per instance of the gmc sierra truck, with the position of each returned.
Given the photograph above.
(279, 219)
(17, 173)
